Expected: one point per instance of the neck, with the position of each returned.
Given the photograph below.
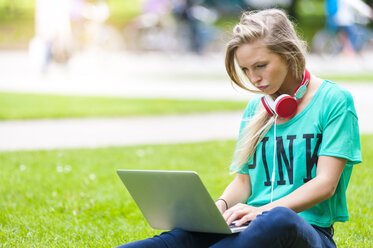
(289, 85)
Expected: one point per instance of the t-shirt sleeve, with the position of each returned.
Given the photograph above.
(248, 113)
(341, 136)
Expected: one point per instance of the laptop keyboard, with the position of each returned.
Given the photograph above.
(236, 229)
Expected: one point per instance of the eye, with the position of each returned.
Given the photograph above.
(261, 66)
(244, 69)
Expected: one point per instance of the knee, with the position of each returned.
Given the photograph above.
(280, 219)
(283, 215)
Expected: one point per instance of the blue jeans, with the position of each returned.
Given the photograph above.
(280, 227)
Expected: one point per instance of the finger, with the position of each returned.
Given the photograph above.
(234, 212)
(236, 215)
(244, 219)
(227, 214)
(230, 211)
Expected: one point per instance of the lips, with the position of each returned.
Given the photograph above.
(262, 88)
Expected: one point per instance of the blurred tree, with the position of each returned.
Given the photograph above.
(16, 23)
(14, 8)
(292, 10)
(11, 6)
(226, 7)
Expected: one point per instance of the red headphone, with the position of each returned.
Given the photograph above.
(285, 106)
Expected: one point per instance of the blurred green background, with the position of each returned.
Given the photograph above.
(17, 19)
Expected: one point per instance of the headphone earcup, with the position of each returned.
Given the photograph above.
(268, 104)
(285, 106)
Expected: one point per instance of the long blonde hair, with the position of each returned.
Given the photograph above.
(277, 33)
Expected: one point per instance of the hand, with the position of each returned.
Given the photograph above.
(241, 212)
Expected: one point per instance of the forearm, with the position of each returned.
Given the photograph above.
(238, 191)
(305, 197)
(299, 200)
(319, 189)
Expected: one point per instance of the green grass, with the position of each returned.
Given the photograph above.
(73, 198)
(29, 106)
(350, 78)
(358, 231)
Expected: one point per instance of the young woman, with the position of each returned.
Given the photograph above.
(298, 142)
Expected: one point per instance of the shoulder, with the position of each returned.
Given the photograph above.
(252, 106)
(336, 98)
(336, 92)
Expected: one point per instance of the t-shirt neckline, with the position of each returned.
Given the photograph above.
(304, 111)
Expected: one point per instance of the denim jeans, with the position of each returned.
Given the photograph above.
(279, 227)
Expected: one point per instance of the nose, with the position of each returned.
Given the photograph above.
(254, 78)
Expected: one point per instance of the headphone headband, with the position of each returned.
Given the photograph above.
(302, 88)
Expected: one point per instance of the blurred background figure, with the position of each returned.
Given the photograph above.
(196, 24)
(65, 27)
(345, 30)
(173, 25)
(96, 33)
(153, 29)
(53, 36)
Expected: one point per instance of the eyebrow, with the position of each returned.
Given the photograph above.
(259, 62)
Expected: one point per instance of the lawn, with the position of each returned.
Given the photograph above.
(350, 78)
(73, 198)
(37, 106)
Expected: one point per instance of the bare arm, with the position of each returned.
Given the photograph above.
(320, 188)
(238, 191)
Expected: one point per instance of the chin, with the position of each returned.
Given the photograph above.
(270, 92)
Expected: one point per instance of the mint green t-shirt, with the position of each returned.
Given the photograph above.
(328, 126)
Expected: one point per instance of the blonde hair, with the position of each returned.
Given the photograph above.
(277, 33)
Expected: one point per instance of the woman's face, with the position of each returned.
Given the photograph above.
(265, 70)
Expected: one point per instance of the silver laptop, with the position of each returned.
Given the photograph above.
(175, 199)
